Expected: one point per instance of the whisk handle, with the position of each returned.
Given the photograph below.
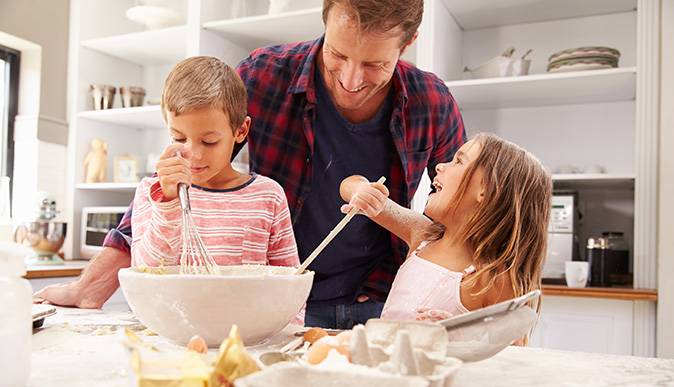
(184, 196)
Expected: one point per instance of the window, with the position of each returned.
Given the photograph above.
(9, 93)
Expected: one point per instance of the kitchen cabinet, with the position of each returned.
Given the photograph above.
(599, 117)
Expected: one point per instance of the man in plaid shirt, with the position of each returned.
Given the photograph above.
(363, 112)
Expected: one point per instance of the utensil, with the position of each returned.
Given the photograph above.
(484, 332)
(195, 258)
(331, 235)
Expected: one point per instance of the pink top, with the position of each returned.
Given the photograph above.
(249, 224)
(424, 284)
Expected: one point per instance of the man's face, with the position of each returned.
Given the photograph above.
(357, 69)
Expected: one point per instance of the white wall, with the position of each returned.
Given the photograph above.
(39, 29)
(665, 333)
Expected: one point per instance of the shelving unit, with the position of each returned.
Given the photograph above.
(602, 117)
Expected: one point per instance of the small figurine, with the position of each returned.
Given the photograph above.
(96, 162)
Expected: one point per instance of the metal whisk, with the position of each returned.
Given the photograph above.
(195, 258)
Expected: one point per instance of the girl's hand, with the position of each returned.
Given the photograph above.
(370, 198)
(173, 169)
(431, 315)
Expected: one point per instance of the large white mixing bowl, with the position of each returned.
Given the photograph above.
(260, 300)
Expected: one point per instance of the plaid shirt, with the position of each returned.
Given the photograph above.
(426, 128)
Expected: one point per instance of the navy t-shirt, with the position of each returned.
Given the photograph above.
(342, 149)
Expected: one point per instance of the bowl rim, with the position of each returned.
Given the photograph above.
(136, 271)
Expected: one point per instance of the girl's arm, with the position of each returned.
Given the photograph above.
(372, 200)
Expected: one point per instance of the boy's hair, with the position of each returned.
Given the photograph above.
(401, 17)
(205, 82)
(509, 230)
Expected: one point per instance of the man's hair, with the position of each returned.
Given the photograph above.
(401, 17)
(508, 232)
(205, 82)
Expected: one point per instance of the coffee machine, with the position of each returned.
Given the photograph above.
(43, 235)
(562, 236)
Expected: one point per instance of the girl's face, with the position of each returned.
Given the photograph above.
(447, 182)
(209, 135)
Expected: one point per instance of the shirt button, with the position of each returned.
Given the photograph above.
(299, 202)
(308, 160)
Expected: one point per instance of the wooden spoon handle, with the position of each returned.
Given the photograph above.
(331, 235)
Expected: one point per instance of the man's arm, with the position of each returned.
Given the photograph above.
(93, 287)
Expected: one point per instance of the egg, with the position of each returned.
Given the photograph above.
(319, 350)
(314, 334)
(197, 344)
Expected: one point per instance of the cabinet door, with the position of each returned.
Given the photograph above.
(585, 324)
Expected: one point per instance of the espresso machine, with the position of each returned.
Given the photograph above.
(44, 235)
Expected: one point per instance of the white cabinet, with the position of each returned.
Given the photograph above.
(604, 117)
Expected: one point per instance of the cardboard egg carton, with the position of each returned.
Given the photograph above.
(396, 353)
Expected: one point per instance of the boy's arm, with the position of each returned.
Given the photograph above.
(372, 200)
(156, 227)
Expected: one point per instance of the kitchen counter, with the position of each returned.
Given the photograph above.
(80, 347)
(69, 269)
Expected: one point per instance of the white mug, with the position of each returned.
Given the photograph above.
(576, 273)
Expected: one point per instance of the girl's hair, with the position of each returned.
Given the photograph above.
(401, 17)
(205, 82)
(509, 229)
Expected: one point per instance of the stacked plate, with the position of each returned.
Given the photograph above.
(583, 58)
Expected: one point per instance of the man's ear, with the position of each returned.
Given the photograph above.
(242, 131)
(409, 44)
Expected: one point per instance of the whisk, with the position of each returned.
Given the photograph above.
(195, 258)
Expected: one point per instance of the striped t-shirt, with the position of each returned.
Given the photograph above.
(249, 224)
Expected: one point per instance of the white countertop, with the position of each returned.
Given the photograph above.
(80, 347)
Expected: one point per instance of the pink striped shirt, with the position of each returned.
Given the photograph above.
(249, 224)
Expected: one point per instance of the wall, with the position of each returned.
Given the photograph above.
(39, 29)
(665, 333)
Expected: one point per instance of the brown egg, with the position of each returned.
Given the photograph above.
(319, 350)
(197, 344)
(314, 334)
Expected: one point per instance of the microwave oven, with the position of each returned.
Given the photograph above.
(562, 236)
(96, 222)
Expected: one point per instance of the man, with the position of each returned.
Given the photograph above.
(343, 104)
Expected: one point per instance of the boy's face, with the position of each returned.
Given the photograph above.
(209, 134)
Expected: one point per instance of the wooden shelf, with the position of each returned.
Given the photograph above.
(579, 87)
(263, 30)
(494, 13)
(140, 117)
(154, 47)
(609, 293)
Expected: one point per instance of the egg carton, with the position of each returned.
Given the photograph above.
(379, 353)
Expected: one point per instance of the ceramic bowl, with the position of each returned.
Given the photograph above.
(260, 300)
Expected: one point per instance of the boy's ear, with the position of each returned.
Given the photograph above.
(242, 131)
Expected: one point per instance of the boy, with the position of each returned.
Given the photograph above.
(242, 219)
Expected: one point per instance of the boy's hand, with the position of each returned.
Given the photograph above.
(173, 169)
(369, 197)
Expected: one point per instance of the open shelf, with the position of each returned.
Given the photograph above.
(262, 30)
(578, 87)
(140, 117)
(593, 181)
(109, 187)
(146, 48)
(494, 13)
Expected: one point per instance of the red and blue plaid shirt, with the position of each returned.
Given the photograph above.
(426, 128)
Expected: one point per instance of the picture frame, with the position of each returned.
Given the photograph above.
(126, 169)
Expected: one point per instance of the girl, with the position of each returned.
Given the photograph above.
(485, 241)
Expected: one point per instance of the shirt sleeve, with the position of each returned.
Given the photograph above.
(282, 250)
(120, 237)
(157, 227)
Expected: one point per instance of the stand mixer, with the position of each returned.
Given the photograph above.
(43, 235)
